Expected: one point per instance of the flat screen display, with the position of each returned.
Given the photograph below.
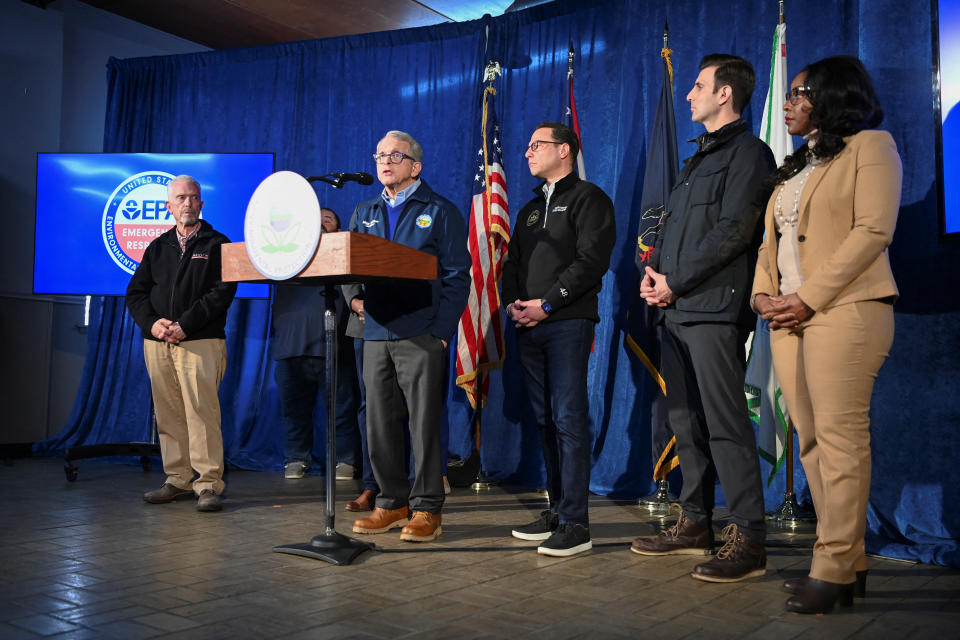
(97, 212)
(948, 53)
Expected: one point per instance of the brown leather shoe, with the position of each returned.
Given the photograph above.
(364, 502)
(819, 596)
(738, 559)
(209, 501)
(166, 493)
(382, 520)
(423, 527)
(686, 537)
(796, 585)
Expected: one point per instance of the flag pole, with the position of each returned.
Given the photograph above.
(789, 514)
(481, 481)
(660, 500)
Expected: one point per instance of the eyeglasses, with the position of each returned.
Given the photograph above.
(533, 146)
(797, 93)
(391, 158)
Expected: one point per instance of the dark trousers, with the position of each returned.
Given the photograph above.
(369, 481)
(397, 372)
(554, 358)
(300, 382)
(704, 366)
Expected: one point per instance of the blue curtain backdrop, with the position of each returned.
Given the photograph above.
(322, 105)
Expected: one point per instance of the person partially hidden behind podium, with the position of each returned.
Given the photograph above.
(298, 344)
(407, 327)
(177, 298)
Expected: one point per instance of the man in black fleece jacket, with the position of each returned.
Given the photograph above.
(560, 249)
(177, 298)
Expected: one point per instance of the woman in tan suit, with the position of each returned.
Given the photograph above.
(824, 283)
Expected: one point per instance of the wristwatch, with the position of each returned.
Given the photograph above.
(547, 309)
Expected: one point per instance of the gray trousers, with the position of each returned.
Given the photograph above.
(398, 372)
(704, 367)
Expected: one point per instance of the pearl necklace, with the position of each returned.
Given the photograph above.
(794, 215)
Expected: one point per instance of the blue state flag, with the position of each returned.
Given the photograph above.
(663, 161)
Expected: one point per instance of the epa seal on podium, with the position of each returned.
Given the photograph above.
(282, 226)
(135, 214)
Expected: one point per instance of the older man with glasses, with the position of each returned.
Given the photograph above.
(407, 328)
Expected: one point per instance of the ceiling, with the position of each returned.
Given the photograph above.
(227, 24)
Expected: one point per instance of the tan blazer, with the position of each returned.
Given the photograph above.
(848, 212)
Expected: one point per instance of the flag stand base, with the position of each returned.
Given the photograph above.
(660, 500)
(789, 514)
(482, 483)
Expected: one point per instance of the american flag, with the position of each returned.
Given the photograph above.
(480, 334)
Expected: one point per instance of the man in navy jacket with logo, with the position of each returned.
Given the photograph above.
(179, 301)
(408, 326)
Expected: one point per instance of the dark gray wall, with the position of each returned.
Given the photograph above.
(53, 73)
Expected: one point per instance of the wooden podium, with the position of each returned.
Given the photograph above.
(340, 258)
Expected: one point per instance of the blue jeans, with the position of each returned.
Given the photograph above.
(554, 359)
(301, 382)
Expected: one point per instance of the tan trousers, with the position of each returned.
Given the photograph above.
(184, 379)
(827, 377)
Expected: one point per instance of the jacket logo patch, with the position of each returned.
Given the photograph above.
(200, 256)
(369, 223)
(564, 292)
(559, 209)
(533, 217)
(424, 220)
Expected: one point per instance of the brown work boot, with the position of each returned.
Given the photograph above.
(364, 502)
(423, 527)
(738, 559)
(382, 520)
(166, 493)
(686, 537)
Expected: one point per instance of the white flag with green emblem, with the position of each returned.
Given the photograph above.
(764, 399)
(773, 129)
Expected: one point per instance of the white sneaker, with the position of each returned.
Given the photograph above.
(345, 471)
(294, 470)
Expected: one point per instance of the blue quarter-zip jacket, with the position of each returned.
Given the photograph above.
(406, 308)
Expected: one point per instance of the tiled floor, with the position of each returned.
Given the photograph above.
(90, 559)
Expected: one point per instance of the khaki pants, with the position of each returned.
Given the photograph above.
(827, 377)
(184, 379)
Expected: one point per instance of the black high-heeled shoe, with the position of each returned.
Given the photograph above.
(795, 585)
(819, 596)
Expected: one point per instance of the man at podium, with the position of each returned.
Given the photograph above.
(408, 325)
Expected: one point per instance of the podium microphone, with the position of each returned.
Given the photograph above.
(362, 177)
(337, 179)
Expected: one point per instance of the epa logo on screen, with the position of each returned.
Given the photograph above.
(134, 215)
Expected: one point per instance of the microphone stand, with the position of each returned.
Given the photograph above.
(329, 546)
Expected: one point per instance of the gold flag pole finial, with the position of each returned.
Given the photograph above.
(666, 52)
(491, 72)
(783, 18)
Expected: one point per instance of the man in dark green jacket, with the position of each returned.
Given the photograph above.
(700, 276)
